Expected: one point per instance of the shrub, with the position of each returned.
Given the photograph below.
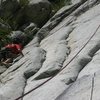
(57, 4)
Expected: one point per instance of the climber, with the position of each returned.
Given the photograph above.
(13, 50)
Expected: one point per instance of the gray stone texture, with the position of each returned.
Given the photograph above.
(66, 52)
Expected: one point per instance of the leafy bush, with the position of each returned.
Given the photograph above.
(57, 4)
(4, 33)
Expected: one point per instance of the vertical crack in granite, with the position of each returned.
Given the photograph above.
(24, 89)
(91, 98)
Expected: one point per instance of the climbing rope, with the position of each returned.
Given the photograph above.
(61, 68)
(92, 87)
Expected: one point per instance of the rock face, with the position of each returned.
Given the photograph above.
(26, 36)
(62, 62)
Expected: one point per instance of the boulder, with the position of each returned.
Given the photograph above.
(8, 8)
(38, 11)
(11, 12)
(31, 30)
(26, 36)
(21, 36)
(19, 12)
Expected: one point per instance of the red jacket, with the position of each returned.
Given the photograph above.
(15, 48)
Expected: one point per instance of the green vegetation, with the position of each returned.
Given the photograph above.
(24, 2)
(57, 4)
(4, 33)
(9, 23)
(4, 39)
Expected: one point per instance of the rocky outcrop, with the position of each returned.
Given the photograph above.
(62, 60)
(26, 36)
(38, 11)
(19, 12)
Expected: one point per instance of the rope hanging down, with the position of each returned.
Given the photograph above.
(61, 68)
